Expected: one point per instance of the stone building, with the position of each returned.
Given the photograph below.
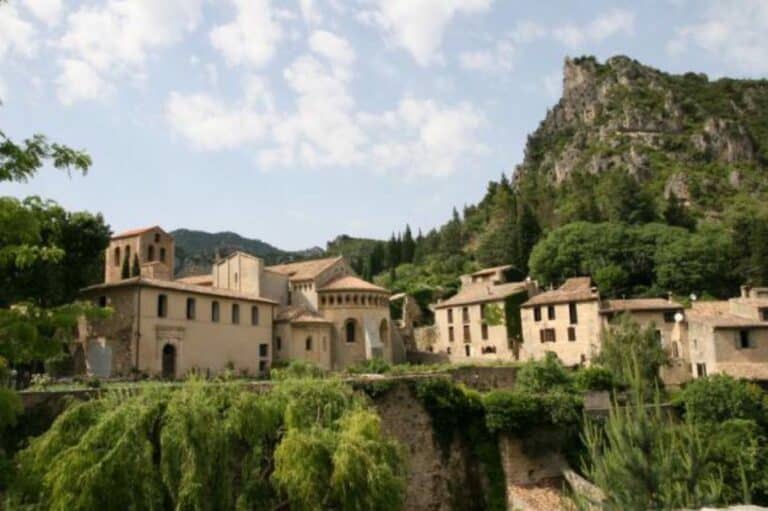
(481, 321)
(729, 336)
(242, 316)
(571, 319)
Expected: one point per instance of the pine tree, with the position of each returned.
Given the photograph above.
(125, 271)
(758, 259)
(409, 245)
(451, 238)
(528, 232)
(135, 268)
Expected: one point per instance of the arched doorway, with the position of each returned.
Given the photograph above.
(169, 361)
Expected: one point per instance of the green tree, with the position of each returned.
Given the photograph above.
(676, 213)
(135, 267)
(720, 397)
(408, 246)
(528, 233)
(451, 236)
(125, 270)
(620, 198)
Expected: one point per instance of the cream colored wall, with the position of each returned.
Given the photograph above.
(345, 354)
(747, 309)
(304, 294)
(701, 345)
(588, 332)
(321, 352)
(139, 245)
(274, 286)
(200, 342)
(497, 335)
(340, 268)
(240, 272)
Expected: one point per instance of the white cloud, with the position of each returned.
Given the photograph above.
(604, 26)
(418, 25)
(736, 35)
(310, 12)
(332, 47)
(79, 81)
(252, 37)
(47, 11)
(16, 35)
(499, 58)
(114, 40)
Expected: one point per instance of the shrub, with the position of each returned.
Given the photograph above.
(720, 398)
(593, 378)
(519, 412)
(296, 369)
(543, 375)
(370, 366)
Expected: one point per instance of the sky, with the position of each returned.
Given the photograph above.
(295, 121)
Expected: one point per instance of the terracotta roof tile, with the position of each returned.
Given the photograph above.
(640, 304)
(135, 232)
(198, 280)
(299, 315)
(351, 283)
(481, 292)
(717, 314)
(494, 269)
(304, 270)
(576, 289)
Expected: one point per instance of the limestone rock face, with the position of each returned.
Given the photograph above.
(663, 129)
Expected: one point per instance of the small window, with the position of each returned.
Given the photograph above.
(669, 317)
(573, 313)
(571, 334)
(484, 331)
(263, 350)
(547, 335)
(450, 315)
(102, 301)
(162, 306)
(157, 237)
(330, 300)
(468, 350)
(744, 340)
(235, 314)
(765, 314)
(450, 334)
(465, 314)
(191, 308)
(262, 366)
(537, 313)
(254, 315)
(350, 330)
(308, 344)
(279, 343)
(116, 257)
(215, 315)
(467, 337)
(701, 370)
(551, 312)
(162, 254)
(151, 253)
(447, 350)
(322, 300)
(482, 311)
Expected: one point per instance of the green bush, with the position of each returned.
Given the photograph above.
(720, 398)
(370, 366)
(543, 375)
(520, 412)
(593, 378)
(296, 369)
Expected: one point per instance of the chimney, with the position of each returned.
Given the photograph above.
(745, 289)
(669, 296)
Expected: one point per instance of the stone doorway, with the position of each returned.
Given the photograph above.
(169, 361)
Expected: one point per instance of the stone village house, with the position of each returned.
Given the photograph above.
(242, 316)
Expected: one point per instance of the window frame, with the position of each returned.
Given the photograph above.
(162, 305)
(573, 313)
(537, 313)
(191, 308)
(215, 312)
(235, 311)
(571, 334)
(255, 315)
(551, 314)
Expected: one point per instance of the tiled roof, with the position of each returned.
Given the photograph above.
(299, 315)
(351, 283)
(576, 289)
(135, 232)
(198, 280)
(482, 292)
(717, 314)
(305, 270)
(494, 269)
(181, 286)
(640, 304)
(748, 370)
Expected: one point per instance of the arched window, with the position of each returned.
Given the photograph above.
(235, 314)
(354, 299)
(254, 315)
(308, 343)
(384, 331)
(162, 254)
(162, 306)
(322, 300)
(191, 308)
(215, 312)
(128, 253)
(151, 253)
(117, 256)
(157, 237)
(350, 329)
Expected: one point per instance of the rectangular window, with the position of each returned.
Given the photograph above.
(263, 350)
(571, 334)
(573, 313)
(537, 313)
(482, 311)
(235, 314)
(765, 314)
(215, 313)
(551, 312)
(468, 350)
(450, 334)
(450, 315)
(102, 301)
(465, 314)
(190, 308)
(669, 317)
(308, 344)
(279, 343)
(262, 366)
(162, 306)
(484, 331)
(744, 341)
(254, 315)
(467, 337)
(701, 370)
(547, 335)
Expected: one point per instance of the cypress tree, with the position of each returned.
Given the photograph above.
(125, 271)
(409, 245)
(135, 268)
(528, 232)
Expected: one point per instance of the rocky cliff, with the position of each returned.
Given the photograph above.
(704, 141)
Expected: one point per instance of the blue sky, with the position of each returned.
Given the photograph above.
(295, 121)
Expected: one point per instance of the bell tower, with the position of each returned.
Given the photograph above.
(153, 247)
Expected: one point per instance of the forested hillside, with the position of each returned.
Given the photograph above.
(648, 181)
